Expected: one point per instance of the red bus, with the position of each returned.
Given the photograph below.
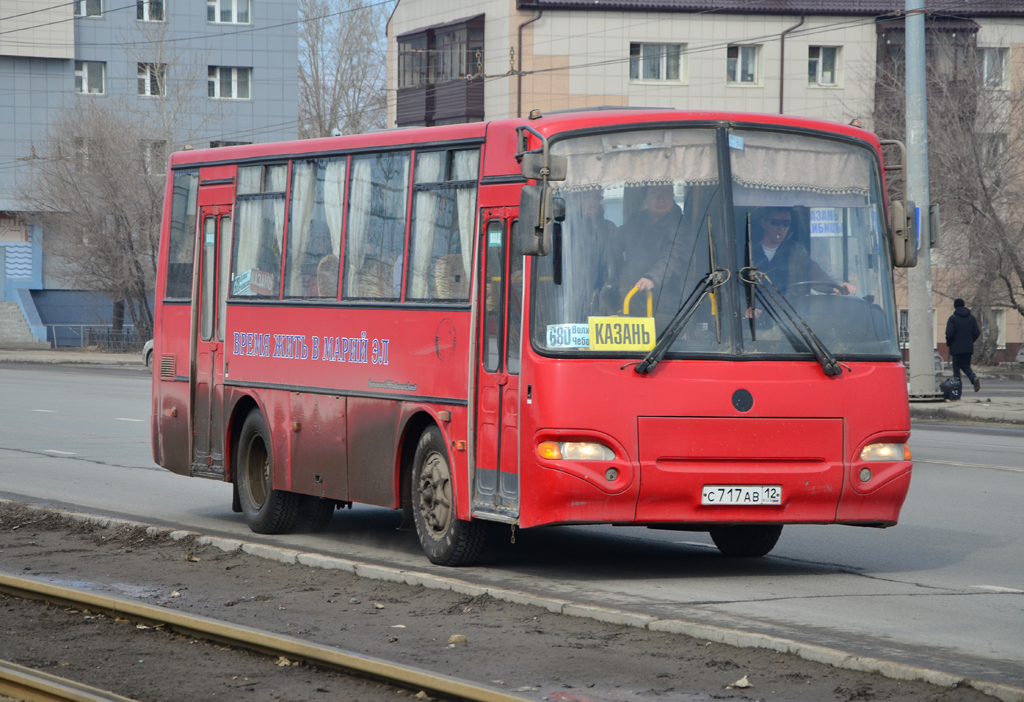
(680, 320)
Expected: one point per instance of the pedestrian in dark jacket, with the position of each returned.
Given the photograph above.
(962, 331)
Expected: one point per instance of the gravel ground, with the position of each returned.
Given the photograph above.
(521, 649)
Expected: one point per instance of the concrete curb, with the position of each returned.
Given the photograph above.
(967, 414)
(730, 637)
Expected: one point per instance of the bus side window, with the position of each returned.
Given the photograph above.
(316, 209)
(444, 215)
(256, 256)
(209, 256)
(515, 305)
(182, 235)
(494, 285)
(375, 234)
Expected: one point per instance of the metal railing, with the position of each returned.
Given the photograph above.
(102, 336)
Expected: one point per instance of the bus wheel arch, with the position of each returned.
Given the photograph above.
(446, 539)
(266, 510)
(413, 429)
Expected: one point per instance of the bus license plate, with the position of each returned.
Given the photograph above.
(741, 495)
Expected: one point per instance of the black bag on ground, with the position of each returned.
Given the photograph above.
(951, 388)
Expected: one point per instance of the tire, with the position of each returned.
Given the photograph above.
(751, 541)
(446, 540)
(149, 360)
(267, 511)
(315, 513)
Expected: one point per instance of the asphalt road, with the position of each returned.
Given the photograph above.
(944, 589)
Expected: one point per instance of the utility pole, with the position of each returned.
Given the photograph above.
(919, 279)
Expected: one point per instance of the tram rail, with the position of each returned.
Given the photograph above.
(243, 637)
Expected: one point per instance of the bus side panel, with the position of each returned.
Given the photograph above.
(316, 445)
(170, 388)
(372, 432)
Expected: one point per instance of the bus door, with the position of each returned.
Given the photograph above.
(496, 474)
(214, 259)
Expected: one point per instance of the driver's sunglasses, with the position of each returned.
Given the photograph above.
(780, 222)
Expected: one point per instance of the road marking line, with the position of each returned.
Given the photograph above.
(126, 419)
(696, 543)
(997, 588)
(63, 453)
(51, 411)
(968, 465)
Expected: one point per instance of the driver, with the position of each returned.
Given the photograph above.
(785, 260)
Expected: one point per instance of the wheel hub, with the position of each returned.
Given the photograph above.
(436, 494)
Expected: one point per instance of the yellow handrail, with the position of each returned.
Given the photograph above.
(629, 296)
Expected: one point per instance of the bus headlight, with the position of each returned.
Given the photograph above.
(574, 451)
(885, 452)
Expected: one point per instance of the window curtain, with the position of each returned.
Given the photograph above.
(358, 224)
(247, 249)
(638, 158)
(466, 166)
(303, 189)
(334, 201)
(428, 170)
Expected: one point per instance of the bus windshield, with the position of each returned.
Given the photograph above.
(650, 213)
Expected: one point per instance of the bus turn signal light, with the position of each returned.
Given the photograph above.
(574, 451)
(885, 452)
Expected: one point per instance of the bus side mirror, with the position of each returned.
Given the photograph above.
(536, 218)
(544, 166)
(903, 225)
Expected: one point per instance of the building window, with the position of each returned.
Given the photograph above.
(152, 77)
(90, 77)
(88, 8)
(412, 62)
(227, 11)
(742, 64)
(440, 56)
(449, 58)
(654, 61)
(993, 67)
(149, 10)
(823, 65)
(228, 83)
(904, 328)
(1000, 320)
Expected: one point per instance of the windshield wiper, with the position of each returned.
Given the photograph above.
(705, 288)
(770, 294)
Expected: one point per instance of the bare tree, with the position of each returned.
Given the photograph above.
(100, 204)
(976, 173)
(342, 66)
(172, 78)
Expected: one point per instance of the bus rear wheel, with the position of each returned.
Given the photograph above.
(267, 511)
(445, 539)
(747, 541)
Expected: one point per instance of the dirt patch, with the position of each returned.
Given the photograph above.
(518, 648)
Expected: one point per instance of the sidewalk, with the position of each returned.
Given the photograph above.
(985, 406)
(62, 356)
(1000, 410)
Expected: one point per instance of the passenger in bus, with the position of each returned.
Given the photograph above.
(784, 259)
(327, 276)
(599, 236)
(654, 244)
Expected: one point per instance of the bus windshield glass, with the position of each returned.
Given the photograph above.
(650, 214)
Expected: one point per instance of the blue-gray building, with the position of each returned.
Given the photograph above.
(233, 62)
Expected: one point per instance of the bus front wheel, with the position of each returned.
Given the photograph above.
(267, 511)
(746, 541)
(445, 539)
